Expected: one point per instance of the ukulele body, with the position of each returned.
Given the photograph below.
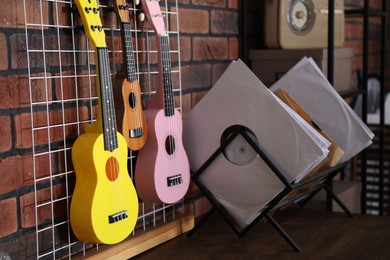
(162, 172)
(103, 193)
(130, 115)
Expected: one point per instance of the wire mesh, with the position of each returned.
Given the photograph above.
(63, 99)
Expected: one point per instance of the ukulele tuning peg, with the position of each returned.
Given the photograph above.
(136, 2)
(123, 7)
(141, 17)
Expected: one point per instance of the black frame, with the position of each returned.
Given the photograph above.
(278, 201)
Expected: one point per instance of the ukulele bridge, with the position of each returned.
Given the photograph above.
(117, 217)
(136, 132)
(174, 180)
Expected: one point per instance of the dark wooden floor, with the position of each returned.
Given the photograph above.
(318, 233)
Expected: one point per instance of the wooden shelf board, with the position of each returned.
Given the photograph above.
(142, 242)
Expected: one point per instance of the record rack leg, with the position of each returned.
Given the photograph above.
(319, 180)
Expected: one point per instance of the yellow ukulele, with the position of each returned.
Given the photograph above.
(104, 207)
(131, 119)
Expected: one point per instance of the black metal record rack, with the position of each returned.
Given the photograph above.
(323, 179)
(366, 12)
(288, 195)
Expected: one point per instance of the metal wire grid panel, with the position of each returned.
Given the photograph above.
(63, 97)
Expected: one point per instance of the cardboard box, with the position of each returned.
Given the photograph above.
(270, 64)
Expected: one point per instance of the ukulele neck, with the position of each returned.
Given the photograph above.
(128, 52)
(106, 100)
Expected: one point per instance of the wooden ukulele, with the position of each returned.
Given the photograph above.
(131, 118)
(104, 207)
(162, 168)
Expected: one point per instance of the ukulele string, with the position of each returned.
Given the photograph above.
(169, 100)
(172, 120)
(111, 131)
(127, 101)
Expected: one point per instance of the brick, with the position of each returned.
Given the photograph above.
(175, 78)
(65, 86)
(62, 13)
(149, 48)
(374, 61)
(23, 136)
(357, 46)
(64, 159)
(21, 247)
(114, 43)
(186, 104)
(4, 52)
(233, 4)
(5, 133)
(148, 82)
(45, 209)
(43, 134)
(191, 21)
(210, 48)
(233, 48)
(196, 97)
(70, 87)
(173, 47)
(108, 18)
(223, 22)
(13, 15)
(8, 218)
(41, 88)
(15, 91)
(196, 76)
(17, 172)
(218, 70)
(19, 56)
(46, 165)
(356, 63)
(353, 30)
(52, 44)
(140, 54)
(211, 3)
(185, 48)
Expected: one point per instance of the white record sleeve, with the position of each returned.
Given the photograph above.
(240, 98)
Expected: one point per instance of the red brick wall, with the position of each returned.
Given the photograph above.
(209, 41)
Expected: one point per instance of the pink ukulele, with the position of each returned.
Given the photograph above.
(162, 168)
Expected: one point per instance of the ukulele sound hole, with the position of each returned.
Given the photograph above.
(112, 169)
(132, 100)
(170, 144)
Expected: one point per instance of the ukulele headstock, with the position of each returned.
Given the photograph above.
(122, 10)
(154, 15)
(90, 15)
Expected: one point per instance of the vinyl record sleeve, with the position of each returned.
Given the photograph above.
(306, 83)
(240, 98)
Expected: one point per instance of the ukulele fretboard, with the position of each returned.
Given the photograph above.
(107, 101)
(169, 106)
(128, 52)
